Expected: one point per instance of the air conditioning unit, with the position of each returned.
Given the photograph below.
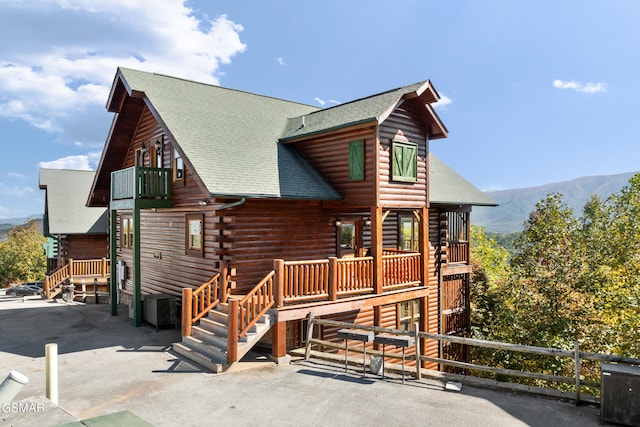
(620, 394)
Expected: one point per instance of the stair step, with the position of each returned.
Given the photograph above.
(218, 329)
(209, 337)
(213, 365)
(214, 326)
(222, 307)
(207, 349)
(219, 316)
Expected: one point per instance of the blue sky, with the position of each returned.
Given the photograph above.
(533, 91)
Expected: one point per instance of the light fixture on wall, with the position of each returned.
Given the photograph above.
(204, 202)
(338, 223)
(143, 149)
(367, 223)
(158, 144)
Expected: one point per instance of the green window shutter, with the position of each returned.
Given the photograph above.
(356, 160)
(404, 164)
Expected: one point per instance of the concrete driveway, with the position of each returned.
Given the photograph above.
(106, 365)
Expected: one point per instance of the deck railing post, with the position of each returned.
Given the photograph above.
(333, 278)
(232, 332)
(278, 266)
(47, 291)
(187, 295)
(104, 267)
(224, 284)
(71, 269)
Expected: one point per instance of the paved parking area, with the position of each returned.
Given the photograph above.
(108, 366)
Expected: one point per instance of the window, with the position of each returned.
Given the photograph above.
(408, 314)
(404, 163)
(356, 160)
(409, 228)
(194, 232)
(126, 232)
(178, 166)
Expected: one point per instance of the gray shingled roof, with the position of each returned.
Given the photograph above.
(446, 186)
(351, 113)
(66, 197)
(231, 137)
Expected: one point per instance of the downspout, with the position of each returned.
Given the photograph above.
(232, 204)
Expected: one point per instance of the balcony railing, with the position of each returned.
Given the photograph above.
(141, 183)
(335, 278)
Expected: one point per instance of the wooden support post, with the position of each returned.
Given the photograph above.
(224, 283)
(376, 249)
(187, 309)
(104, 267)
(333, 278)
(71, 269)
(279, 340)
(278, 266)
(232, 331)
(423, 243)
(113, 254)
(137, 276)
(307, 350)
(47, 291)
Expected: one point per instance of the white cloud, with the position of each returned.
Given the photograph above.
(57, 72)
(320, 101)
(579, 87)
(80, 162)
(280, 60)
(443, 101)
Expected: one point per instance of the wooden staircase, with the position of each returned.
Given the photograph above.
(207, 344)
(81, 273)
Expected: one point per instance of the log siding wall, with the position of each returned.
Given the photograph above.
(403, 125)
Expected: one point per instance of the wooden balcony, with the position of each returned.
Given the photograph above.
(330, 285)
(145, 187)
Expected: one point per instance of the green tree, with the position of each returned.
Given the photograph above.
(490, 263)
(22, 256)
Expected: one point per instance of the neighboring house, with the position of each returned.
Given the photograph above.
(75, 230)
(276, 209)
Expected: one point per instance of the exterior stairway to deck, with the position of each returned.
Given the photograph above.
(207, 344)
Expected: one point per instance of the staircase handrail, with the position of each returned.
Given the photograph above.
(197, 303)
(55, 279)
(255, 304)
(245, 313)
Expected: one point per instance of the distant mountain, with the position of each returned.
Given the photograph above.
(7, 224)
(18, 221)
(516, 204)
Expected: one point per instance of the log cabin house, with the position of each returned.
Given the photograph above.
(254, 211)
(78, 235)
